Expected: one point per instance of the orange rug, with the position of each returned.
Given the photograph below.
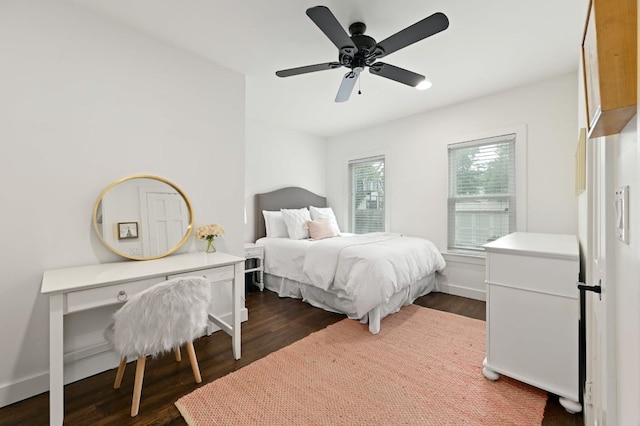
(423, 368)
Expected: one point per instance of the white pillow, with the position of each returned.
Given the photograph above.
(274, 224)
(296, 220)
(325, 213)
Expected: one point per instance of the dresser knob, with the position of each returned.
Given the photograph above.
(122, 296)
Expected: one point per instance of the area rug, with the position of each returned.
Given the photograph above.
(423, 368)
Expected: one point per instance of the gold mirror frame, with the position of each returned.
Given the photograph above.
(98, 205)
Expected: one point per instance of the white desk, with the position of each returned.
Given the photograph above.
(88, 287)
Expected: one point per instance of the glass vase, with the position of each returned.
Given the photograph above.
(211, 247)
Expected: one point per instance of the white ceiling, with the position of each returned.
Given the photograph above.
(490, 45)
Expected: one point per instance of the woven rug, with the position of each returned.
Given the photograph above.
(423, 368)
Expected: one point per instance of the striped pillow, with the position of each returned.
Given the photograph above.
(320, 229)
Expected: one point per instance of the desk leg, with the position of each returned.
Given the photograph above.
(262, 277)
(56, 360)
(237, 293)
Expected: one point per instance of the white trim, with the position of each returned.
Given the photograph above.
(23, 389)
(458, 290)
(521, 178)
(475, 287)
(465, 257)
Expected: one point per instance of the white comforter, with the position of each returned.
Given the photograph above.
(366, 269)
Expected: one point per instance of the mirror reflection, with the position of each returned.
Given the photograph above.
(143, 217)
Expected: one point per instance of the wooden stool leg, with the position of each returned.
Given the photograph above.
(194, 362)
(120, 373)
(137, 386)
(178, 354)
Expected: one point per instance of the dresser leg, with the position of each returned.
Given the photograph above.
(489, 373)
(570, 405)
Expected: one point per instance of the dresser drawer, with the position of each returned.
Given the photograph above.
(109, 295)
(546, 275)
(224, 273)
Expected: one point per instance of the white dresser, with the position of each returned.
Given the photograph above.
(93, 286)
(533, 312)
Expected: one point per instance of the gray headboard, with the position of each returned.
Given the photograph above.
(285, 198)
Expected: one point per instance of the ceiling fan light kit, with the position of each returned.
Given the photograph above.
(424, 85)
(359, 51)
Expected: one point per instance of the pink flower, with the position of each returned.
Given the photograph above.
(209, 232)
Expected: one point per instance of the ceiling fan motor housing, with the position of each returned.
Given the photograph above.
(367, 47)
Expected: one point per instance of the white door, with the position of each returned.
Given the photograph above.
(600, 391)
(167, 219)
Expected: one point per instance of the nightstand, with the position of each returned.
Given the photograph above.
(254, 251)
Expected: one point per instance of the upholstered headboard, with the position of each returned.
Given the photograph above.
(285, 198)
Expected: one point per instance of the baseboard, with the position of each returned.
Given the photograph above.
(457, 290)
(79, 364)
(23, 389)
(463, 276)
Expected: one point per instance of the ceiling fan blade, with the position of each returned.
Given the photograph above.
(308, 69)
(348, 82)
(397, 74)
(327, 22)
(416, 32)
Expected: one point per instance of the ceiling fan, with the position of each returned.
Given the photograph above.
(359, 50)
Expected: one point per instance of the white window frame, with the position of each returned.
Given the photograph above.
(521, 176)
(364, 158)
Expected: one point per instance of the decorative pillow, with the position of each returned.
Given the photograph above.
(320, 229)
(320, 213)
(296, 220)
(274, 224)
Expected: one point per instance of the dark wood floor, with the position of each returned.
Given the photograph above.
(273, 323)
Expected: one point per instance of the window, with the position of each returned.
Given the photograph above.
(482, 191)
(366, 211)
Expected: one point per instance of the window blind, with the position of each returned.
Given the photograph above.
(482, 191)
(367, 206)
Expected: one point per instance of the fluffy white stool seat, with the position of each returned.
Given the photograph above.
(158, 320)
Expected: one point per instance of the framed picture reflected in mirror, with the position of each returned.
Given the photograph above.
(127, 230)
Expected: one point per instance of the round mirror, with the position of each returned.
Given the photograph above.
(143, 217)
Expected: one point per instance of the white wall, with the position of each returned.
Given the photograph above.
(416, 163)
(84, 102)
(278, 157)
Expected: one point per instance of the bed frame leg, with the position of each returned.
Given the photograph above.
(374, 320)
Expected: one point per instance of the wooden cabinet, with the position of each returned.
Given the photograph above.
(609, 59)
(533, 312)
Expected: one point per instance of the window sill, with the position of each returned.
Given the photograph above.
(464, 257)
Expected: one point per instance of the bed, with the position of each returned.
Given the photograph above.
(365, 277)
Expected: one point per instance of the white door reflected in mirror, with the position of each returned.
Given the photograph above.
(143, 217)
